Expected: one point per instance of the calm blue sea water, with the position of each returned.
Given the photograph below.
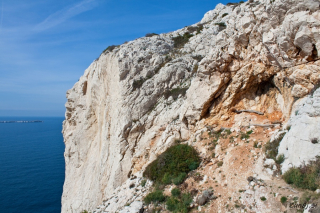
(31, 165)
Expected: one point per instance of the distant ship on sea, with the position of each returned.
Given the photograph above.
(36, 121)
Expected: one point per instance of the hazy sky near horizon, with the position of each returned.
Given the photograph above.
(45, 46)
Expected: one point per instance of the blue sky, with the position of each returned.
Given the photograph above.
(45, 45)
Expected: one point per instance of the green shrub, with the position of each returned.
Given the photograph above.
(263, 198)
(180, 41)
(220, 163)
(151, 34)
(175, 162)
(200, 27)
(153, 197)
(176, 192)
(193, 165)
(179, 205)
(305, 177)
(221, 24)
(293, 176)
(197, 28)
(143, 183)
(225, 14)
(110, 48)
(186, 199)
(172, 203)
(167, 179)
(180, 178)
(84, 211)
(271, 147)
(280, 159)
(283, 199)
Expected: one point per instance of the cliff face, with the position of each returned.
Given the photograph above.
(136, 99)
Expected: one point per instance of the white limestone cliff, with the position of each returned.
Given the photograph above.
(135, 100)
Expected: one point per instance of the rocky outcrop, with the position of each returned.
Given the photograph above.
(136, 99)
(302, 142)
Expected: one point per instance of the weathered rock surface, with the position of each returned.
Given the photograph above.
(127, 198)
(302, 142)
(134, 101)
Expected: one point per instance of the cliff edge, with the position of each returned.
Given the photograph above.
(136, 99)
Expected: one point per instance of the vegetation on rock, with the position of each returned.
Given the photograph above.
(225, 14)
(283, 199)
(221, 24)
(180, 203)
(175, 192)
(173, 164)
(151, 34)
(305, 177)
(271, 147)
(180, 41)
(153, 197)
(110, 48)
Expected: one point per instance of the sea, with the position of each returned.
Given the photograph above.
(31, 165)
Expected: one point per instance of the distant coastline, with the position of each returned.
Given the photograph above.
(36, 121)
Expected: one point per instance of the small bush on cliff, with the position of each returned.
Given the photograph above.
(197, 28)
(280, 159)
(176, 192)
(143, 183)
(180, 41)
(271, 147)
(153, 197)
(283, 199)
(110, 48)
(221, 24)
(151, 34)
(305, 177)
(179, 204)
(173, 164)
(179, 179)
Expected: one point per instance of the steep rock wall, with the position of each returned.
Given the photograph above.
(135, 100)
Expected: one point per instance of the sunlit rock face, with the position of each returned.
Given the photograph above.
(136, 99)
